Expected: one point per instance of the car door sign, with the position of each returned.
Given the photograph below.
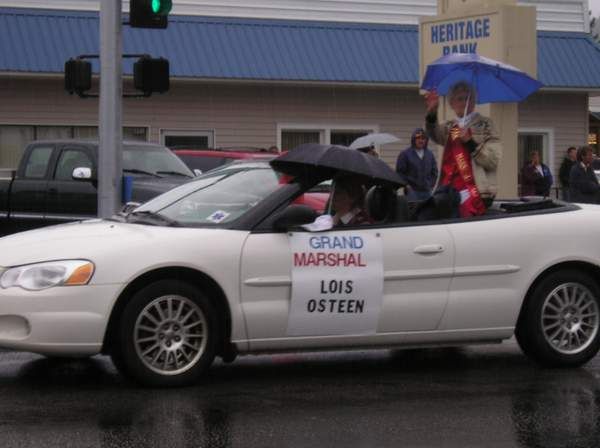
(337, 283)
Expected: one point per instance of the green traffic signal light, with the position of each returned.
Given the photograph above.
(149, 13)
(161, 7)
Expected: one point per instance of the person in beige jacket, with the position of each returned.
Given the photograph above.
(476, 132)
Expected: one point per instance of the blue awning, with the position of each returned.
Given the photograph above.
(40, 41)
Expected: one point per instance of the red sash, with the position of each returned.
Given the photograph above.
(458, 173)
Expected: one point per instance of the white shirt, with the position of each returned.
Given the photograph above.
(540, 169)
(420, 153)
(348, 216)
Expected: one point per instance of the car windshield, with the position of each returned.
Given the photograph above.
(156, 160)
(216, 198)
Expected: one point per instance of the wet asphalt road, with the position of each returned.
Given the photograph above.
(484, 396)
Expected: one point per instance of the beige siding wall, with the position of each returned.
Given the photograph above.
(565, 114)
(238, 115)
(249, 115)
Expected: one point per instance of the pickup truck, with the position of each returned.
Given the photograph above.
(56, 181)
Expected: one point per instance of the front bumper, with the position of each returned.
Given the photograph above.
(69, 321)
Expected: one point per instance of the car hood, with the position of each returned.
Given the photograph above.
(103, 240)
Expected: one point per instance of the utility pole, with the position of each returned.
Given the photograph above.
(110, 157)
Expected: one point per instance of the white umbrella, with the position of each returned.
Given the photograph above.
(373, 139)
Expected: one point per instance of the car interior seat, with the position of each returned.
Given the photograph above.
(382, 204)
(442, 204)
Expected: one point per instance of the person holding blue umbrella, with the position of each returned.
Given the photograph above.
(472, 148)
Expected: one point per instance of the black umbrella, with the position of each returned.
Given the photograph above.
(326, 161)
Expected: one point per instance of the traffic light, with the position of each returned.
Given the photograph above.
(78, 76)
(151, 75)
(149, 13)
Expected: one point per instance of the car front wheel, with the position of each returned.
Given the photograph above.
(559, 325)
(167, 335)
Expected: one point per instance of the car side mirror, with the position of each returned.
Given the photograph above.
(294, 215)
(82, 173)
(197, 172)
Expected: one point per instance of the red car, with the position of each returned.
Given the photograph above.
(207, 159)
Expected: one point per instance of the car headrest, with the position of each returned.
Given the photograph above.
(380, 203)
(443, 204)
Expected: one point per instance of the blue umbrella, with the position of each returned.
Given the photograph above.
(495, 82)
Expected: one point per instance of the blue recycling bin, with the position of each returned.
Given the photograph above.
(127, 189)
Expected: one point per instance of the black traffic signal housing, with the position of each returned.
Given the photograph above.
(149, 13)
(78, 76)
(151, 75)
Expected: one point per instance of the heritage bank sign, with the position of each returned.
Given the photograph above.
(474, 34)
(460, 36)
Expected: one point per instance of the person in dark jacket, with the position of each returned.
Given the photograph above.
(536, 178)
(418, 166)
(565, 171)
(583, 182)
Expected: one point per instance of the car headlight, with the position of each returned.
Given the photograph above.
(45, 275)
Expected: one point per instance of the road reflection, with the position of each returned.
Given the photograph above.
(451, 397)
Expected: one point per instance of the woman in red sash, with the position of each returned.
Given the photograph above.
(472, 149)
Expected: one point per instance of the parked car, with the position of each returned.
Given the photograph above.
(56, 181)
(220, 266)
(203, 160)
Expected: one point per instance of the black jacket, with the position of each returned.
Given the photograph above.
(583, 184)
(565, 171)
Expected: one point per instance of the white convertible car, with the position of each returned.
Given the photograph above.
(220, 267)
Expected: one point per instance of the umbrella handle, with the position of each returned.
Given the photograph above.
(462, 122)
(331, 197)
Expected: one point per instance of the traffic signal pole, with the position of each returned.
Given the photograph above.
(110, 157)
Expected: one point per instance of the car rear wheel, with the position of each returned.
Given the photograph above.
(559, 325)
(167, 335)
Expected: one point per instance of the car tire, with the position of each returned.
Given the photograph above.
(167, 335)
(559, 325)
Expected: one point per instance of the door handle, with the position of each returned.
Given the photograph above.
(52, 190)
(429, 249)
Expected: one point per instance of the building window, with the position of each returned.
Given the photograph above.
(529, 143)
(291, 139)
(292, 135)
(12, 143)
(536, 140)
(176, 139)
(14, 138)
(345, 138)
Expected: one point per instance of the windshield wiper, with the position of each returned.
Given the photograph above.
(152, 218)
(176, 173)
(136, 171)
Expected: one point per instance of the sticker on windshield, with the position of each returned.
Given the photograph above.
(218, 216)
(337, 283)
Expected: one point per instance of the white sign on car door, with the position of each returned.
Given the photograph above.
(337, 283)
